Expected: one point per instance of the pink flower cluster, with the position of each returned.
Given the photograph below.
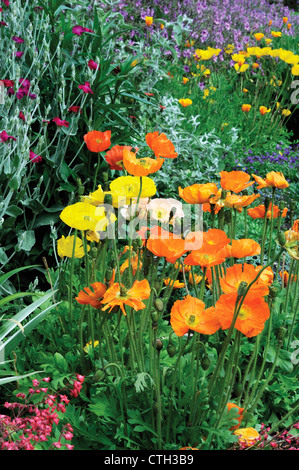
(32, 424)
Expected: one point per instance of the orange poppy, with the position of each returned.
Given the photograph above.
(215, 238)
(259, 212)
(247, 436)
(235, 181)
(160, 145)
(186, 268)
(176, 284)
(240, 417)
(114, 157)
(194, 241)
(87, 297)
(273, 179)
(119, 296)
(252, 316)
(133, 264)
(198, 193)
(242, 273)
(190, 314)
(170, 248)
(285, 276)
(206, 257)
(197, 278)
(267, 275)
(97, 141)
(207, 207)
(295, 227)
(140, 166)
(238, 202)
(243, 248)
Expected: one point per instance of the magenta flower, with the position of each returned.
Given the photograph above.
(75, 109)
(6, 2)
(86, 88)
(4, 136)
(2, 23)
(25, 83)
(21, 93)
(79, 30)
(35, 159)
(19, 53)
(17, 39)
(60, 122)
(21, 116)
(92, 65)
(8, 83)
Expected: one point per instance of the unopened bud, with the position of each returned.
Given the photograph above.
(281, 333)
(238, 389)
(108, 274)
(155, 316)
(81, 190)
(99, 375)
(242, 288)
(108, 199)
(205, 363)
(171, 350)
(94, 252)
(273, 292)
(281, 238)
(267, 203)
(159, 344)
(159, 305)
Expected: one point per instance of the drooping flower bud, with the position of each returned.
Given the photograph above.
(281, 238)
(171, 350)
(242, 288)
(159, 305)
(281, 333)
